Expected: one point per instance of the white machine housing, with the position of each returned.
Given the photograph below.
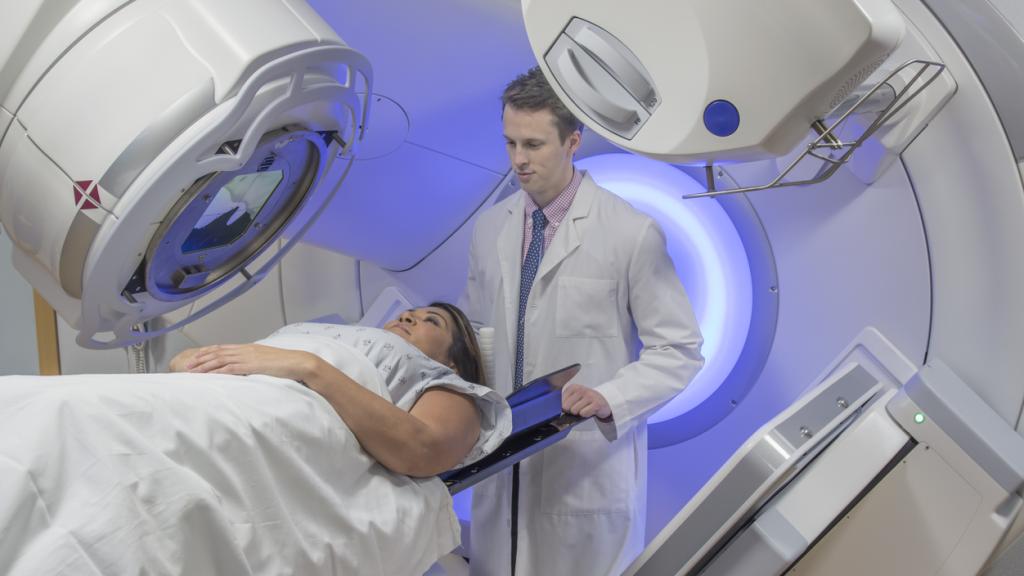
(687, 87)
(919, 468)
(868, 473)
(125, 126)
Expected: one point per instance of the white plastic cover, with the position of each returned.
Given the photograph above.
(708, 79)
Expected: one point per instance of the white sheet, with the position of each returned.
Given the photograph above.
(201, 474)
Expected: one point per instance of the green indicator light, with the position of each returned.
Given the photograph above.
(919, 418)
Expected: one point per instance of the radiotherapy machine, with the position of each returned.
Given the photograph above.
(203, 171)
(152, 151)
(884, 466)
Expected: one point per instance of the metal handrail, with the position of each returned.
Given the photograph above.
(827, 136)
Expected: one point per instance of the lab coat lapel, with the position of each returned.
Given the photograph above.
(567, 239)
(510, 248)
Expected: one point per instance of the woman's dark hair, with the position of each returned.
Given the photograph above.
(465, 352)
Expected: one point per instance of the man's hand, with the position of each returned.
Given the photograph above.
(585, 402)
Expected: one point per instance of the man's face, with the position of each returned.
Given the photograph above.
(541, 160)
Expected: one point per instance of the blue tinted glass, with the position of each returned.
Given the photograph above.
(232, 210)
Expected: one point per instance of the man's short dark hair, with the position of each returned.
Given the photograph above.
(531, 92)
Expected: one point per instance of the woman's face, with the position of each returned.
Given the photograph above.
(430, 329)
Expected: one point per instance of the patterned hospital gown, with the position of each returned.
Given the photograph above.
(407, 372)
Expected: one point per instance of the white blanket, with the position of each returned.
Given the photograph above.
(201, 474)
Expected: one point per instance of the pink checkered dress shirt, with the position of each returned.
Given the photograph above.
(555, 212)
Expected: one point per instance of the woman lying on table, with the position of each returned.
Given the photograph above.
(427, 357)
(239, 464)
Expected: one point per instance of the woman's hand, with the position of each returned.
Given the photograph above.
(180, 361)
(245, 359)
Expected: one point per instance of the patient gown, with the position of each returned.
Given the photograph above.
(205, 474)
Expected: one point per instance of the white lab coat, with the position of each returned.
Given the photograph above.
(605, 279)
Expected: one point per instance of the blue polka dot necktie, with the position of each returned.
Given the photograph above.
(530, 265)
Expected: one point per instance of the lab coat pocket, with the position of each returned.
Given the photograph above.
(586, 307)
(586, 474)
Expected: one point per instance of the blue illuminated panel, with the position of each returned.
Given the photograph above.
(709, 257)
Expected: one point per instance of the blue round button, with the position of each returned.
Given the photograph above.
(721, 118)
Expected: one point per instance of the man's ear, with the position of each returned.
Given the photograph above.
(575, 139)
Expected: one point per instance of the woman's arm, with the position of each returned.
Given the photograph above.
(180, 361)
(434, 436)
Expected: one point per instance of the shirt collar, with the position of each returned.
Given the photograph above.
(556, 210)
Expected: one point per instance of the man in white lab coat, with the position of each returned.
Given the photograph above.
(567, 272)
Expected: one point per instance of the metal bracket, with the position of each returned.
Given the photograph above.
(827, 146)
